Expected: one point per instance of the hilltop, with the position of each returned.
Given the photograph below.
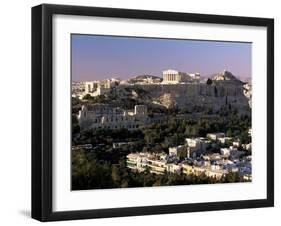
(145, 79)
(225, 77)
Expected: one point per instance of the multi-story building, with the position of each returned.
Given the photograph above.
(141, 161)
(236, 143)
(174, 168)
(91, 86)
(179, 151)
(213, 171)
(157, 166)
(193, 147)
(225, 151)
(247, 147)
(97, 88)
(192, 158)
(104, 116)
(196, 146)
(214, 165)
(137, 161)
(223, 140)
(215, 136)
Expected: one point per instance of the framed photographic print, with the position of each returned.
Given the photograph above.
(145, 112)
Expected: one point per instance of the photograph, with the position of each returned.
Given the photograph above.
(150, 111)
(145, 112)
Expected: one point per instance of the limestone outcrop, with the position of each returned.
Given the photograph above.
(225, 90)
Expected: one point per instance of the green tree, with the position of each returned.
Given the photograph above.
(115, 174)
(209, 81)
(231, 177)
(87, 97)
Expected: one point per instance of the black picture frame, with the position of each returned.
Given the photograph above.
(42, 111)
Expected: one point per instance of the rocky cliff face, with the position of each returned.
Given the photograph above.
(224, 90)
(188, 96)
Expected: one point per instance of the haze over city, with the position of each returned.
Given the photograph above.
(101, 57)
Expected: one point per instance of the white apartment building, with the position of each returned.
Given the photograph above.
(223, 140)
(91, 86)
(236, 143)
(213, 171)
(154, 163)
(173, 168)
(137, 161)
(179, 151)
(225, 151)
(196, 146)
(97, 88)
(215, 136)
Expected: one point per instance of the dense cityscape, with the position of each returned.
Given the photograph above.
(177, 129)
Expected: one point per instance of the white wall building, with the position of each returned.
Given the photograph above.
(196, 146)
(179, 151)
(223, 140)
(104, 116)
(91, 86)
(97, 88)
(225, 151)
(173, 77)
(215, 136)
(236, 143)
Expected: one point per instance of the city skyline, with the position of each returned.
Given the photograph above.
(96, 57)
